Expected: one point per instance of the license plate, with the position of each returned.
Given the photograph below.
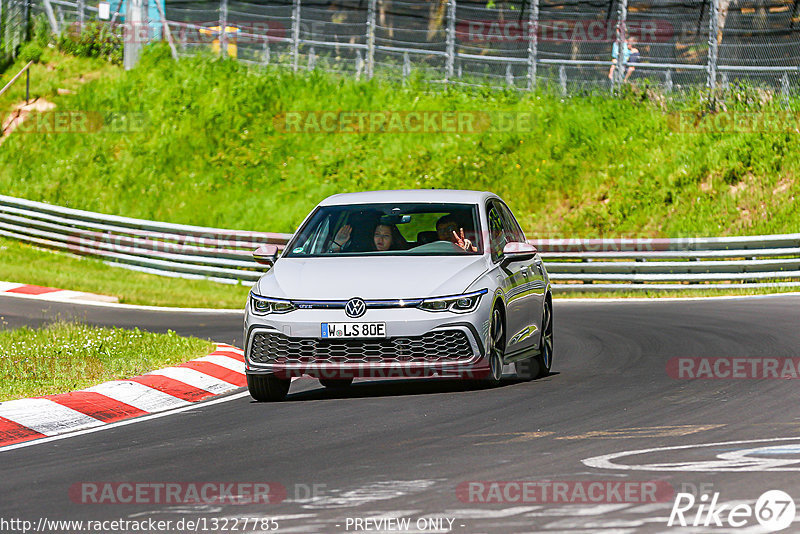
(353, 330)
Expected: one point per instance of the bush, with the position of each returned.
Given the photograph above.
(96, 40)
(31, 52)
(42, 34)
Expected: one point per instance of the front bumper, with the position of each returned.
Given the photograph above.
(418, 343)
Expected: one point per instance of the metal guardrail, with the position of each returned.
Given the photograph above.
(155, 247)
(574, 265)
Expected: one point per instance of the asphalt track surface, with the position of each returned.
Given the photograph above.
(402, 448)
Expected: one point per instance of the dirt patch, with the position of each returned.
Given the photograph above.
(20, 113)
(784, 184)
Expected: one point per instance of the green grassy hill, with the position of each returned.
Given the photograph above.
(209, 152)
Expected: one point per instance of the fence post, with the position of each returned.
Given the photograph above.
(562, 79)
(533, 42)
(668, 80)
(51, 16)
(266, 51)
(509, 75)
(295, 34)
(713, 31)
(785, 86)
(223, 25)
(370, 38)
(312, 59)
(81, 9)
(451, 39)
(134, 18)
(622, 20)
(406, 66)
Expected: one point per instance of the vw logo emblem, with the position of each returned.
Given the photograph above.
(355, 307)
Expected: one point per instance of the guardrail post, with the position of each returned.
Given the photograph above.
(371, 8)
(622, 20)
(451, 39)
(295, 34)
(713, 32)
(533, 42)
(223, 25)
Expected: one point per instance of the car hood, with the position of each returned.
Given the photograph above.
(388, 277)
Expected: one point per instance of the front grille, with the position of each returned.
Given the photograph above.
(433, 347)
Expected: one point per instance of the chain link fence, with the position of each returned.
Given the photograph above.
(568, 44)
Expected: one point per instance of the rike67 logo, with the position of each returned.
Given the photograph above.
(774, 510)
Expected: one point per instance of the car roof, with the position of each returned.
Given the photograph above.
(409, 195)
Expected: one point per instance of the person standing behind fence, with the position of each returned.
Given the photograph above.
(630, 55)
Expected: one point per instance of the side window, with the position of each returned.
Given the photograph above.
(497, 231)
(513, 230)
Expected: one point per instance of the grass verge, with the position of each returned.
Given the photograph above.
(211, 151)
(63, 357)
(26, 264)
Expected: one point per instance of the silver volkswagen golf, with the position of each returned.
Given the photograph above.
(391, 284)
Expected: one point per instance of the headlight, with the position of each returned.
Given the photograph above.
(457, 303)
(265, 305)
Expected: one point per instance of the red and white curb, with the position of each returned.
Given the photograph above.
(220, 372)
(51, 293)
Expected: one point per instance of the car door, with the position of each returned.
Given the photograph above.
(532, 296)
(512, 277)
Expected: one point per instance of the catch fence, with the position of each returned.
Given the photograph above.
(567, 44)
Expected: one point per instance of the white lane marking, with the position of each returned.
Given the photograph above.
(134, 306)
(45, 416)
(138, 395)
(109, 426)
(377, 491)
(737, 464)
(195, 379)
(224, 361)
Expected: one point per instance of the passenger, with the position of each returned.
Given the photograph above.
(448, 230)
(384, 237)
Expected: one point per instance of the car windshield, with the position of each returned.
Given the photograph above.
(389, 229)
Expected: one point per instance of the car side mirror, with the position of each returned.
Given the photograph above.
(514, 251)
(266, 254)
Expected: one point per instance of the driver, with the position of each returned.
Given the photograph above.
(448, 230)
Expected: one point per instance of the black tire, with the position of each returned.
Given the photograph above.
(539, 366)
(336, 383)
(496, 349)
(268, 388)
